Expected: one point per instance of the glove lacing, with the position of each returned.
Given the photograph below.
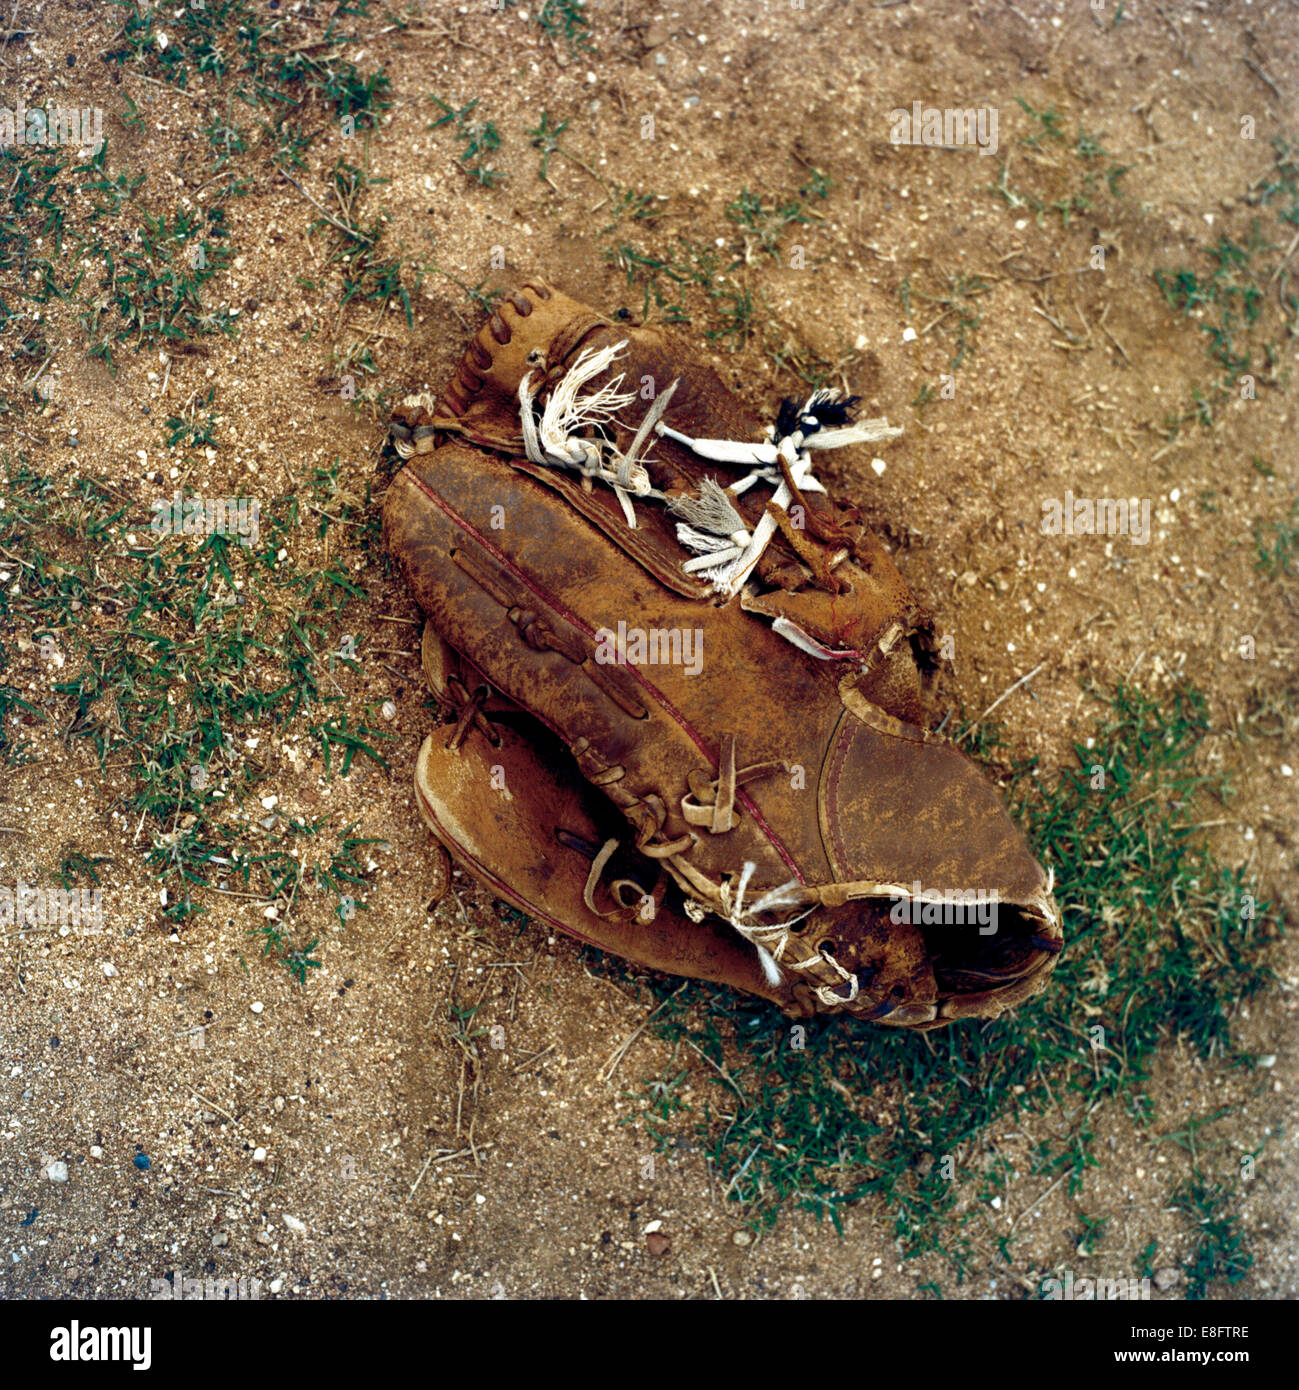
(725, 549)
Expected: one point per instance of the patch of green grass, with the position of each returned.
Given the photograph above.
(199, 642)
(155, 284)
(1046, 149)
(13, 751)
(296, 959)
(274, 61)
(76, 866)
(1220, 1253)
(185, 430)
(1160, 947)
(958, 317)
(566, 20)
(761, 225)
(1278, 544)
(686, 280)
(478, 139)
(1230, 296)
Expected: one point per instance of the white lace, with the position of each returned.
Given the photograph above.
(561, 439)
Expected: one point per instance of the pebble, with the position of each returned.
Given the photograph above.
(295, 1224)
(742, 1237)
(257, 1006)
(57, 1170)
(1167, 1278)
(259, 1155)
(657, 1243)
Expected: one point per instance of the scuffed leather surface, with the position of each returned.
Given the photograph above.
(518, 567)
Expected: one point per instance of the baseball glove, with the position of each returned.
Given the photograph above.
(686, 691)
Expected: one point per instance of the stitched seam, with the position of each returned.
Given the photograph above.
(837, 760)
(659, 698)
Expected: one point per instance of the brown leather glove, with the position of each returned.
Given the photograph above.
(632, 587)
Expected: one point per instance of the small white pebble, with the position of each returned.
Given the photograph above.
(295, 1224)
(878, 465)
(259, 1155)
(257, 1006)
(57, 1171)
(908, 335)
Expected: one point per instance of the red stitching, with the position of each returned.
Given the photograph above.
(443, 505)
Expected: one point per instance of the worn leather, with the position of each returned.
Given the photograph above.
(529, 836)
(520, 569)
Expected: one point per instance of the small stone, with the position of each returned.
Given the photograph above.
(657, 1243)
(259, 1155)
(96, 1152)
(878, 465)
(263, 1237)
(257, 1006)
(742, 1237)
(222, 1238)
(297, 1226)
(388, 710)
(56, 1170)
(1167, 1278)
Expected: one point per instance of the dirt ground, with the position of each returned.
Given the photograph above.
(334, 1139)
